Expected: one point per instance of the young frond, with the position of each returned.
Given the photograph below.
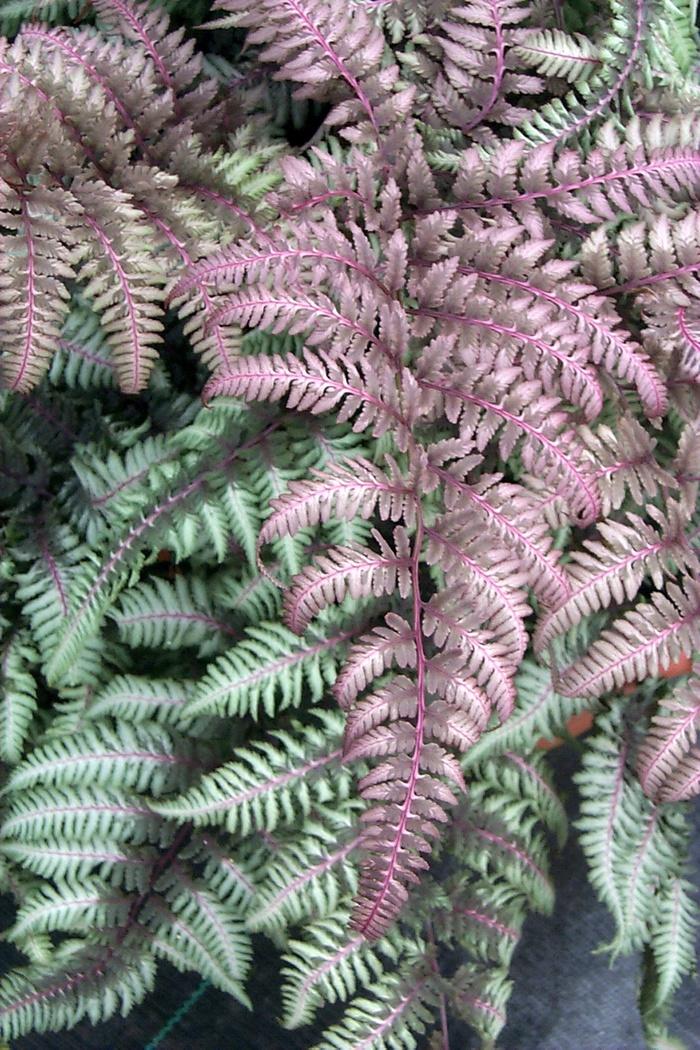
(315, 384)
(33, 262)
(342, 491)
(639, 643)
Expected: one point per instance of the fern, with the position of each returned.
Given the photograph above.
(349, 448)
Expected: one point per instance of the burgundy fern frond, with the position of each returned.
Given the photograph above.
(315, 44)
(613, 571)
(342, 492)
(668, 762)
(316, 384)
(555, 457)
(372, 654)
(33, 300)
(347, 571)
(651, 635)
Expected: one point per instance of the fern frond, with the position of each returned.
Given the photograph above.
(630, 844)
(316, 45)
(554, 53)
(400, 1013)
(18, 703)
(213, 931)
(33, 301)
(672, 943)
(93, 984)
(122, 281)
(669, 759)
(133, 698)
(620, 50)
(316, 384)
(309, 875)
(142, 756)
(340, 492)
(353, 572)
(159, 614)
(269, 670)
(329, 966)
(613, 571)
(70, 908)
(651, 635)
(266, 783)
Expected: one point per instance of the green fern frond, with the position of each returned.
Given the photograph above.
(159, 614)
(143, 757)
(135, 698)
(539, 712)
(92, 983)
(270, 669)
(329, 965)
(397, 1017)
(671, 955)
(17, 697)
(39, 814)
(209, 929)
(631, 845)
(269, 782)
(309, 874)
(70, 908)
(524, 793)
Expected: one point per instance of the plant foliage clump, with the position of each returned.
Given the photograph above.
(349, 445)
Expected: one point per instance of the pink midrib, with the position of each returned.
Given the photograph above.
(570, 467)
(295, 614)
(607, 331)
(136, 366)
(335, 59)
(26, 353)
(421, 666)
